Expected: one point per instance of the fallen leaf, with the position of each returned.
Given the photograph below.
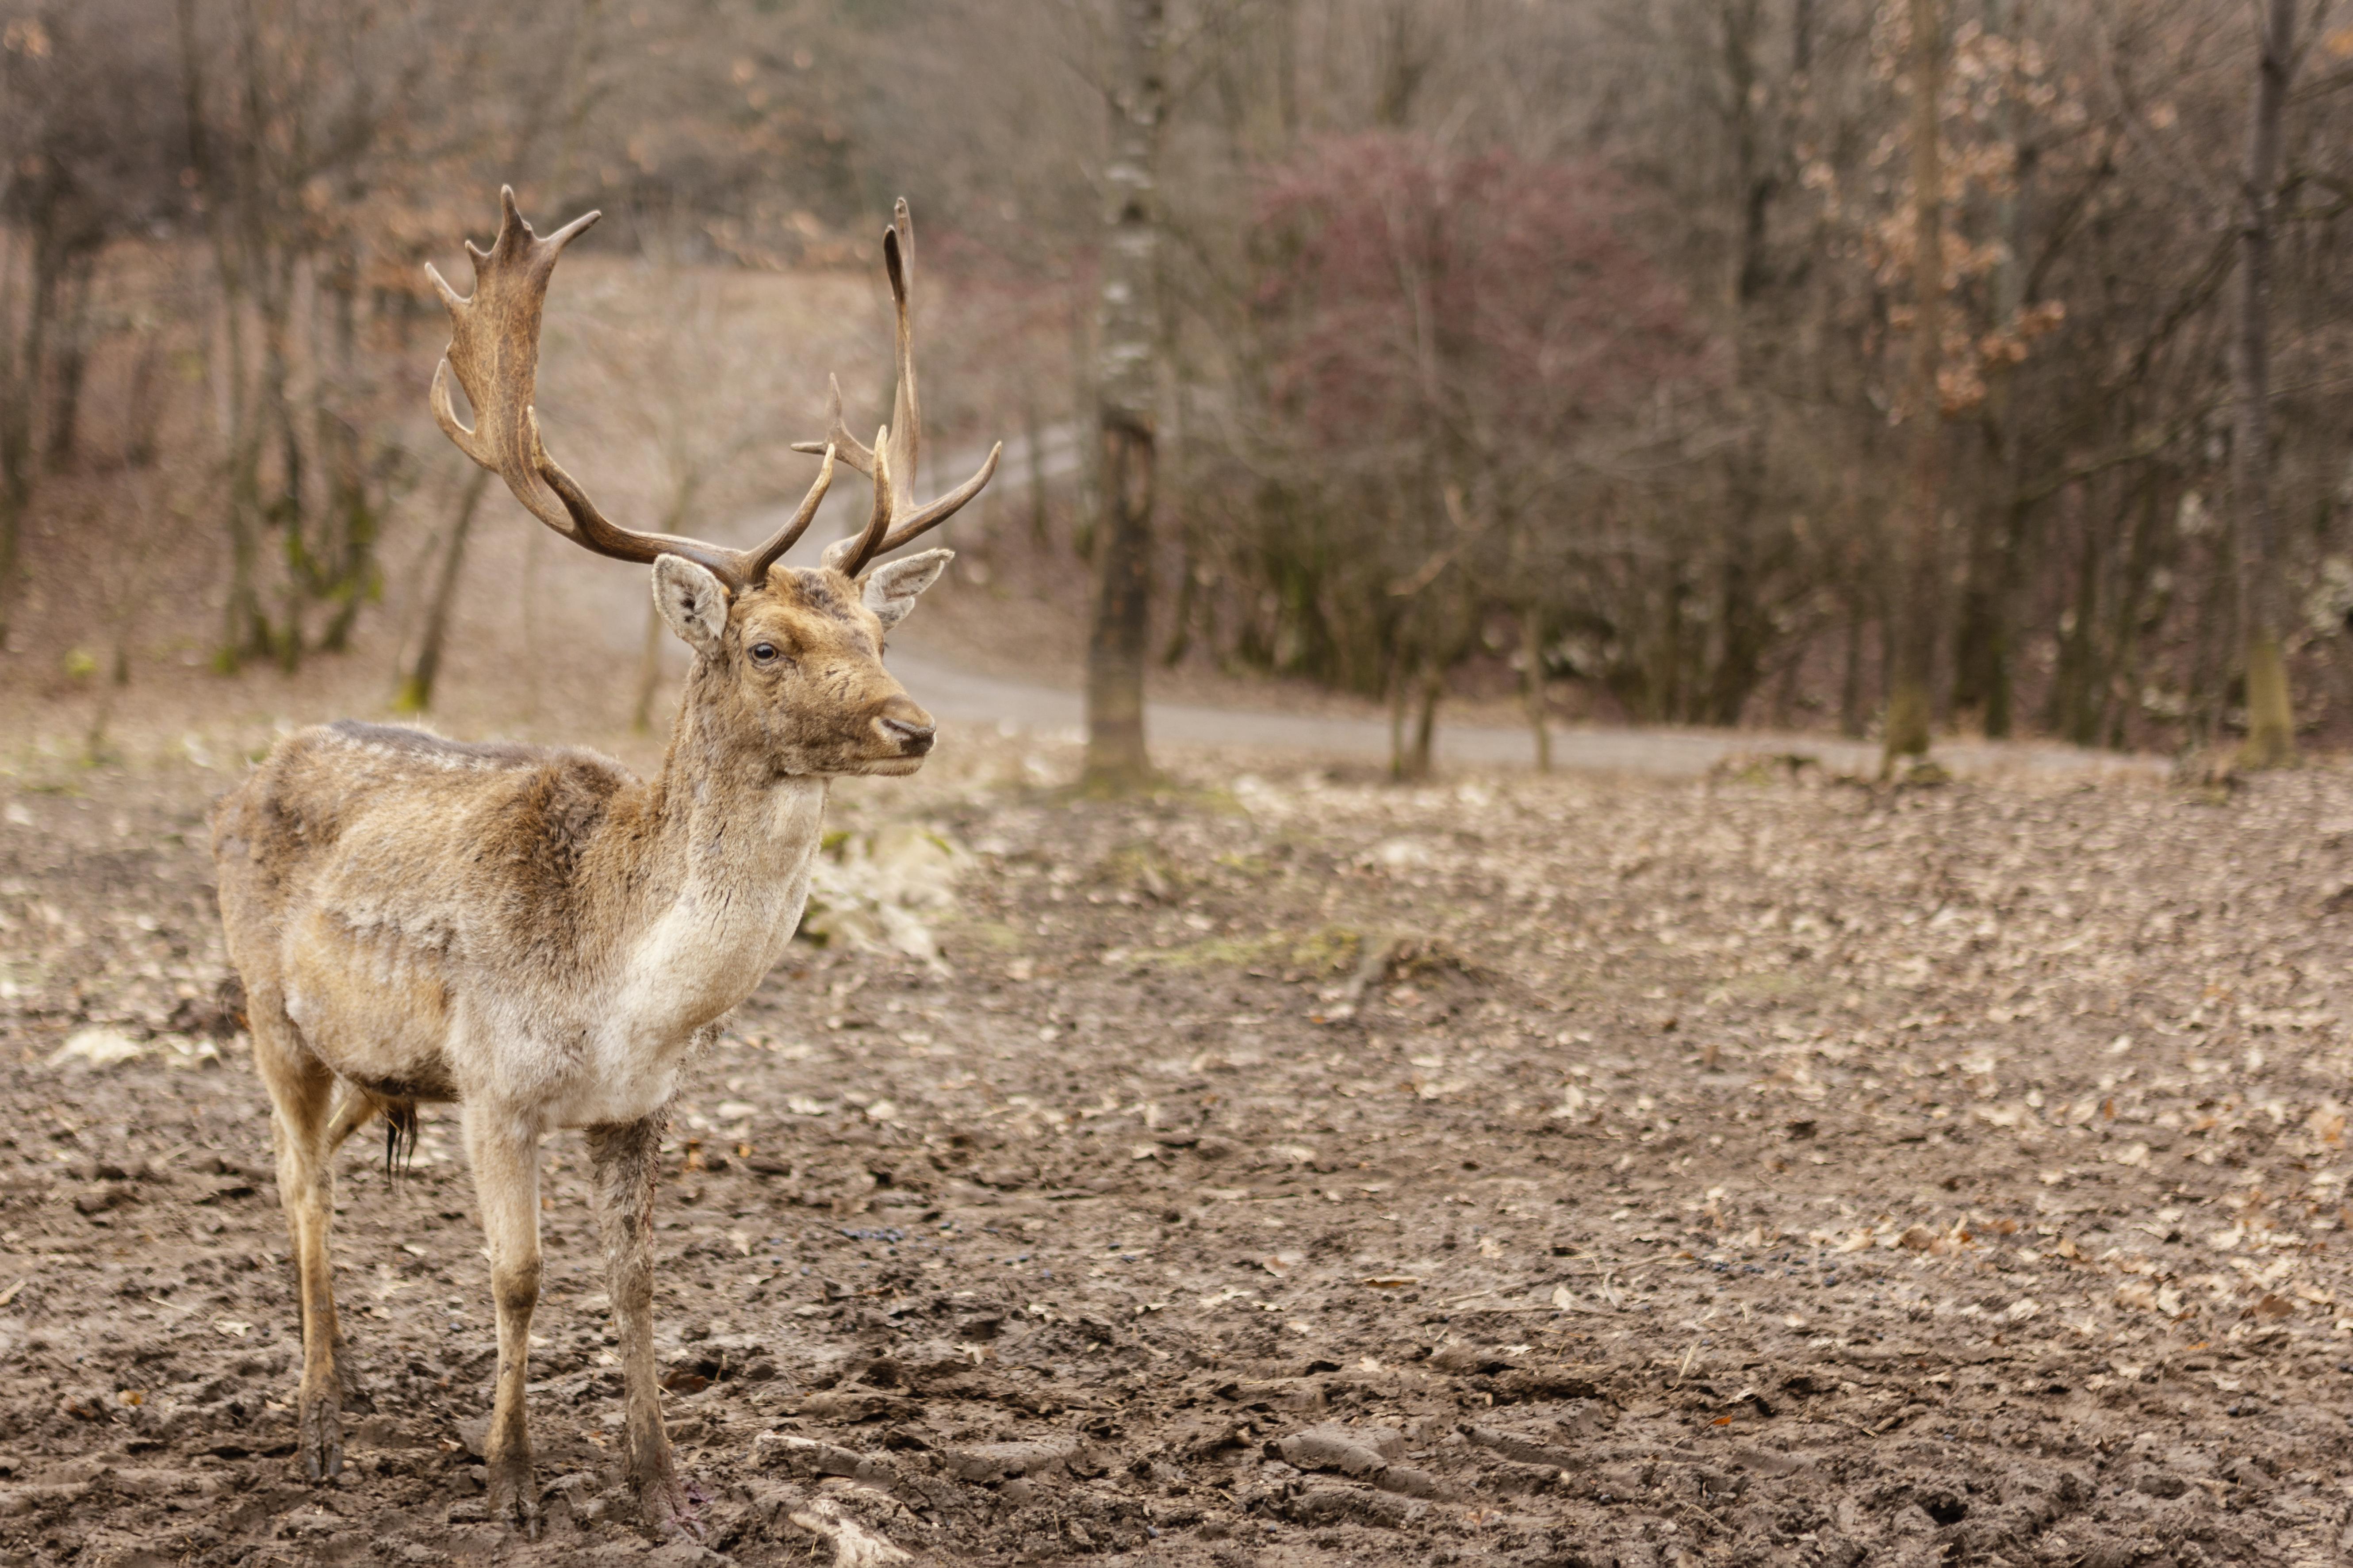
(97, 1046)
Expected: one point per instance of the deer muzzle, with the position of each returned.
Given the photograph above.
(907, 727)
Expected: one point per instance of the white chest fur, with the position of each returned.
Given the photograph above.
(741, 900)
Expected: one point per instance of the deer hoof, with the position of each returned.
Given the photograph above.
(515, 1500)
(318, 1438)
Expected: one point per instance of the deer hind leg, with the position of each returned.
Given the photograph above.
(625, 1156)
(354, 1111)
(300, 1092)
(503, 1147)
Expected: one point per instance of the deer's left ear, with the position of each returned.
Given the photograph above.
(693, 601)
(890, 588)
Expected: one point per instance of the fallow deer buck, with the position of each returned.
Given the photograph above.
(538, 935)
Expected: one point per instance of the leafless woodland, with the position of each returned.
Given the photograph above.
(1568, 352)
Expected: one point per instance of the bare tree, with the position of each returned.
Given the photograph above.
(1127, 400)
(1917, 555)
(415, 694)
(2263, 613)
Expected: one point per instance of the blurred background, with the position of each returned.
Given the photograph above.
(1935, 368)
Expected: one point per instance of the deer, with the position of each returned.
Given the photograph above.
(538, 936)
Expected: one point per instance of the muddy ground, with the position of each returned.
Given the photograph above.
(1292, 1170)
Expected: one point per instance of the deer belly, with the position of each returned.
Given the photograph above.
(371, 1007)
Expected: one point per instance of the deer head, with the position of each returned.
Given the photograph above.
(789, 659)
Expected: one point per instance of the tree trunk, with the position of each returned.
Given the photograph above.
(1908, 708)
(674, 520)
(287, 510)
(1180, 618)
(24, 362)
(1851, 670)
(641, 711)
(2209, 644)
(1397, 696)
(143, 411)
(2078, 673)
(72, 359)
(1037, 443)
(2139, 606)
(1127, 396)
(1087, 501)
(2271, 719)
(349, 549)
(1531, 685)
(245, 629)
(1422, 758)
(1745, 629)
(15, 394)
(417, 687)
(1981, 647)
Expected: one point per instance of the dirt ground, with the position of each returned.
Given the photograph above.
(1291, 1170)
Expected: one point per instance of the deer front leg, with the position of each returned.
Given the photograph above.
(503, 1147)
(625, 1157)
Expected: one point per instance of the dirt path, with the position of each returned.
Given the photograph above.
(967, 696)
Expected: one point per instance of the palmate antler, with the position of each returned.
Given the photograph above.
(897, 444)
(494, 352)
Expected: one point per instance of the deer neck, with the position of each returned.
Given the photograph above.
(728, 859)
(725, 814)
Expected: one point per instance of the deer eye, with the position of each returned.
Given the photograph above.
(764, 652)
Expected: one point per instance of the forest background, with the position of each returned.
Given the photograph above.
(1952, 366)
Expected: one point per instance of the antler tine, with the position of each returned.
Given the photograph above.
(849, 556)
(853, 451)
(898, 447)
(494, 354)
(785, 538)
(906, 409)
(947, 506)
(485, 330)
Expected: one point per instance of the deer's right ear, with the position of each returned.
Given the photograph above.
(693, 601)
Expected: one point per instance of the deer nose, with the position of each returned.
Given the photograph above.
(914, 739)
